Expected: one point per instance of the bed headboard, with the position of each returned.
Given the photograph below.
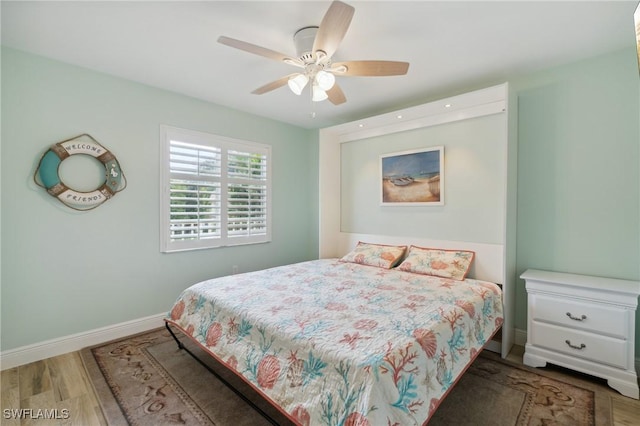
(488, 264)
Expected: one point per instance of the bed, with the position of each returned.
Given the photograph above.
(346, 341)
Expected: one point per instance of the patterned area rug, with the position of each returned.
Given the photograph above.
(146, 380)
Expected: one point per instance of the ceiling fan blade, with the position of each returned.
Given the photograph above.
(333, 27)
(336, 96)
(257, 50)
(273, 85)
(370, 68)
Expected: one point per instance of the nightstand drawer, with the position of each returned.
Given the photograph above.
(581, 315)
(594, 347)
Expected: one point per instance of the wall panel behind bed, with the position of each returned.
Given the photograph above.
(473, 188)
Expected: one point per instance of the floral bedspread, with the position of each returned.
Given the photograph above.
(333, 343)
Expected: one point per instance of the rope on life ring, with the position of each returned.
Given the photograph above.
(47, 176)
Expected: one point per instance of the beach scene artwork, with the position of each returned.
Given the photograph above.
(413, 177)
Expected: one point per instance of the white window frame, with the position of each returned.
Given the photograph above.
(225, 144)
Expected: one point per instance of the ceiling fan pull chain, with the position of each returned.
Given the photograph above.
(312, 114)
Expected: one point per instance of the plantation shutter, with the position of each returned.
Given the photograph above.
(195, 192)
(246, 194)
(218, 191)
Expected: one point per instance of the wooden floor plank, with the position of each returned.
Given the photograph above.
(42, 406)
(10, 396)
(82, 411)
(626, 412)
(67, 376)
(9, 378)
(33, 379)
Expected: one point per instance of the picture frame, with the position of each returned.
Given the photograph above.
(412, 178)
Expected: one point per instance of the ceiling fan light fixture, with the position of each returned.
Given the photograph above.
(297, 83)
(325, 80)
(317, 94)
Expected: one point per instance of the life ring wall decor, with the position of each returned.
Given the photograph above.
(47, 174)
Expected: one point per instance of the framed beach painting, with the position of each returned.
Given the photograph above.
(412, 178)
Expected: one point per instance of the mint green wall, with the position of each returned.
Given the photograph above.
(579, 171)
(65, 272)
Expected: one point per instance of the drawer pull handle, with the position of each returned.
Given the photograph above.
(581, 318)
(582, 345)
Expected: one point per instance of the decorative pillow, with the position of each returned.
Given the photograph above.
(441, 263)
(380, 255)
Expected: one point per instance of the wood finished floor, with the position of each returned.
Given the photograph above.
(60, 385)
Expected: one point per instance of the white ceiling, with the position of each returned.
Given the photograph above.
(452, 46)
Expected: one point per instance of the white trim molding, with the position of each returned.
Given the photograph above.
(74, 342)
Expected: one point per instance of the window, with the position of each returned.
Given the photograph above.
(215, 191)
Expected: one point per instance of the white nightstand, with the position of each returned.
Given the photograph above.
(583, 323)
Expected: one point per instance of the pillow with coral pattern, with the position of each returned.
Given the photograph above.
(442, 263)
(380, 255)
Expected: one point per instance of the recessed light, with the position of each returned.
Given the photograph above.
(360, 125)
(447, 106)
(398, 116)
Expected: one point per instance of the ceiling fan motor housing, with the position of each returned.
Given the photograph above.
(303, 40)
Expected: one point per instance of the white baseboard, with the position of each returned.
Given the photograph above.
(54, 347)
(521, 339)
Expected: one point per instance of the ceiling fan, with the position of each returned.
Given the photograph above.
(315, 45)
